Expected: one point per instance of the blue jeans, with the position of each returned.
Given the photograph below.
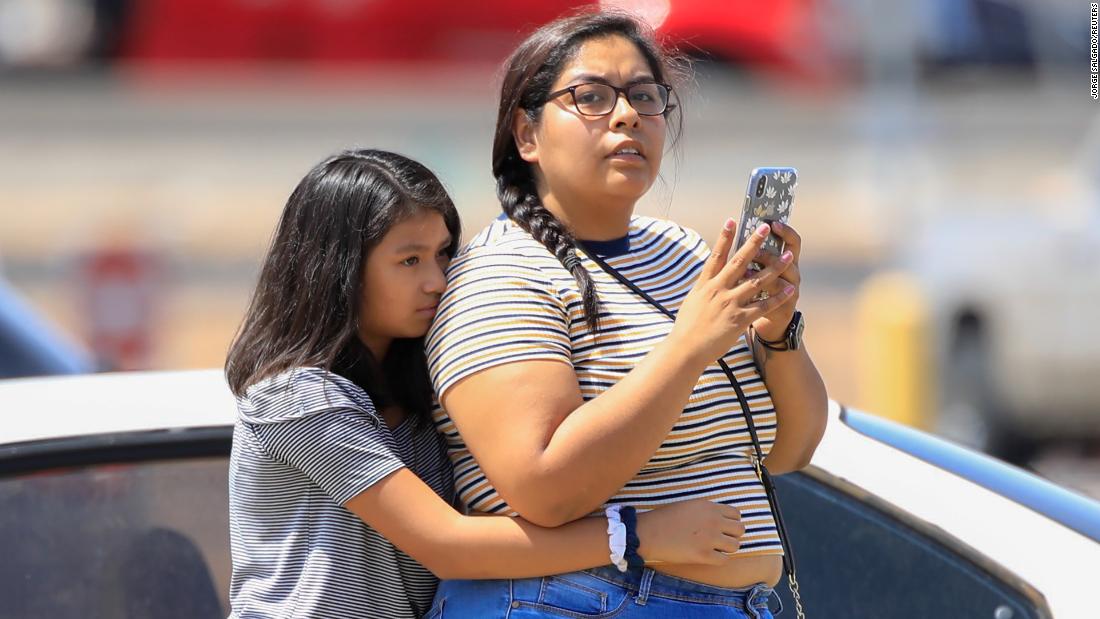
(598, 593)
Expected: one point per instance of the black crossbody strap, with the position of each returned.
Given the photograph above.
(765, 477)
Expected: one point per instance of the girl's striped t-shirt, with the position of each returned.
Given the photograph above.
(509, 299)
(305, 443)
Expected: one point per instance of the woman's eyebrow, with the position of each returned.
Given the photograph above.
(599, 79)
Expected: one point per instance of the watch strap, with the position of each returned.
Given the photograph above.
(787, 342)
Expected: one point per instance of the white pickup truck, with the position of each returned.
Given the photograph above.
(1013, 305)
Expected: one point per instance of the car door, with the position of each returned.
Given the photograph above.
(121, 525)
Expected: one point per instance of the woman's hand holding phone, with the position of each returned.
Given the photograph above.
(723, 302)
(769, 199)
(773, 325)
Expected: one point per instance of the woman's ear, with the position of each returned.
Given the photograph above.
(523, 131)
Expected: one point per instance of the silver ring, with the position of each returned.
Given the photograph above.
(763, 296)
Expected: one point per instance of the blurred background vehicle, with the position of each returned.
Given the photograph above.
(149, 146)
(31, 347)
(1003, 298)
(108, 511)
(1013, 320)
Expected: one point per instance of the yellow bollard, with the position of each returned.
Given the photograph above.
(895, 377)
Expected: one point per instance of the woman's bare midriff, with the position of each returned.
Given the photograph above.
(743, 572)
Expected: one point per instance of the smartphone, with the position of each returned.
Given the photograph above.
(769, 198)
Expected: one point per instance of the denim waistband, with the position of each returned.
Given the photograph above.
(647, 582)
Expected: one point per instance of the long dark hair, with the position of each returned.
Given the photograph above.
(529, 74)
(305, 309)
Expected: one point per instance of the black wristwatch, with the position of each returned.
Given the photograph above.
(792, 337)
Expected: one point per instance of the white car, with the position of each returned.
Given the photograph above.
(1014, 329)
(113, 503)
(1012, 293)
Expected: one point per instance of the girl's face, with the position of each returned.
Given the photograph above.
(578, 156)
(403, 280)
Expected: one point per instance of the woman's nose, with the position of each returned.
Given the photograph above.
(623, 113)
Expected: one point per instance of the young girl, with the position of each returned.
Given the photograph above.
(565, 390)
(336, 470)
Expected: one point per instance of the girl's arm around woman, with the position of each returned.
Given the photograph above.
(408, 513)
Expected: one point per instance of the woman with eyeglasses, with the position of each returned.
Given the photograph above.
(566, 391)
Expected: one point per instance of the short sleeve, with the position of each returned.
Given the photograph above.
(344, 451)
(499, 308)
(695, 244)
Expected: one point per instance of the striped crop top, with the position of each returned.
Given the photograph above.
(509, 299)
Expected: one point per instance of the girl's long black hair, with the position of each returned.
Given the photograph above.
(529, 74)
(305, 307)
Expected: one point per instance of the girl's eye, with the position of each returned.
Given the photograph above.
(411, 261)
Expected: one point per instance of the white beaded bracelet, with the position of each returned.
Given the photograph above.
(616, 537)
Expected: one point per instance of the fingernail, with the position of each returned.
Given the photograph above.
(777, 225)
(729, 224)
(762, 230)
(787, 256)
(789, 290)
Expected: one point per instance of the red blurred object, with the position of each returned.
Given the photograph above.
(779, 35)
(332, 31)
(119, 287)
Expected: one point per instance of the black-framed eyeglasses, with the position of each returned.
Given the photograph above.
(596, 99)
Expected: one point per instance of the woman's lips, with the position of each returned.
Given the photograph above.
(627, 158)
(627, 151)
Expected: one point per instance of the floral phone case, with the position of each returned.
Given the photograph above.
(769, 198)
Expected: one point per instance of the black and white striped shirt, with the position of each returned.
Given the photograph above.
(306, 442)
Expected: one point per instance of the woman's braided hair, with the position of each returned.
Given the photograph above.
(529, 74)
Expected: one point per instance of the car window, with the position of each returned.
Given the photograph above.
(139, 539)
(856, 559)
